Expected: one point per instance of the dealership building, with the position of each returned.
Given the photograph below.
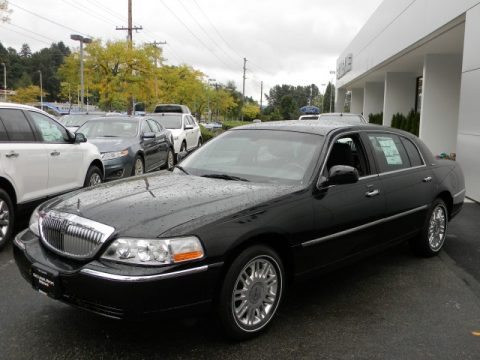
(422, 55)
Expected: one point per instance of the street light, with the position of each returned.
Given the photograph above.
(41, 89)
(208, 94)
(4, 81)
(83, 40)
(331, 90)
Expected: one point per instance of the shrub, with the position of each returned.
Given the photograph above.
(206, 134)
(376, 118)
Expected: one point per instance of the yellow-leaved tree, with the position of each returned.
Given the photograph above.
(28, 94)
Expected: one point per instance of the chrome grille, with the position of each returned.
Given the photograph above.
(73, 236)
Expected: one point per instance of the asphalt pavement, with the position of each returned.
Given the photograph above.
(391, 306)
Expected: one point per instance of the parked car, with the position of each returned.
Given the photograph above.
(129, 145)
(172, 108)
(212, 126)
(39, 158)
(73, 121)
(256, 207)
(308, 117)
(343, 116)
(185, 130)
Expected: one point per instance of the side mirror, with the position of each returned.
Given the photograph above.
(181, 155)
(79, 138)
(188, 127)
(149, 135)
(342, 174)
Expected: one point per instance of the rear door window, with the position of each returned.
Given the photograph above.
(412, 151)
(16, 125)
(389, 152)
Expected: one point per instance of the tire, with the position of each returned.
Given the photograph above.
(200, 142)
(138, 166)
(170, 160)
(183, 147)
(7, 216)
(245, 309)
(93, 177)
(434, 231)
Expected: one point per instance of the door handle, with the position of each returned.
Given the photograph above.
(55, 153)
(427, 179)
(12, 154)
(372, 193)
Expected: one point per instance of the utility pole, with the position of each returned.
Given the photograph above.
(130, 29)
(261, 96)
(243, 90)
(155, 45)
(83, 40)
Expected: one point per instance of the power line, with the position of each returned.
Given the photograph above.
(46, 19)
(88, 11)
(215, 29)
(208, 35)
(193, 34)
(107, 10)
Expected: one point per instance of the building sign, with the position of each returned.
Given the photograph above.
(344, 66)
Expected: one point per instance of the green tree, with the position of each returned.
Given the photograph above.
(329, 99)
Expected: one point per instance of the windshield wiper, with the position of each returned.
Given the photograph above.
(225, 177)
(182, 169)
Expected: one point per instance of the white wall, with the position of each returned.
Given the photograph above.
(356, 105)
(440, 102)
(468, 142)
(400, 90)
(373, 98)
(396, 25)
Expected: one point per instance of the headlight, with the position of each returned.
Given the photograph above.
(114, 154)
(154, 251)
(33, 225)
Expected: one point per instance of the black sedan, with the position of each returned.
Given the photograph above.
(253, 209)
(129, 145)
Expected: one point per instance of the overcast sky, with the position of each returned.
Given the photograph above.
(292, 42)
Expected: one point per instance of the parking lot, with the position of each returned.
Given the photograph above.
(391, 306)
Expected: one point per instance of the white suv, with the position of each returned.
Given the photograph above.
(185, 130)
(39, 158)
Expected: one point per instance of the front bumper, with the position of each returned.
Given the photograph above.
(118, 168)
(115, 290)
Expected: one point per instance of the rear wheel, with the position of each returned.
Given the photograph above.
(138, 166)
(434, 232)
(200, 142)
(6, 218)
(94, 176)
(251, 292)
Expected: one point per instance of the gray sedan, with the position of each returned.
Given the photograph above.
(129, 145)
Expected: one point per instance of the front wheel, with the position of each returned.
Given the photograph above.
(434, 232)
(251, 292)
(94, 176)
(6, 218)
(138, 167)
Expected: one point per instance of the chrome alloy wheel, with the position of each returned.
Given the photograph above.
(138, 166)
(95, 179)
(4, 219)
(437, 228)
(256, 293)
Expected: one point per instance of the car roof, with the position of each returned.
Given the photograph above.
(18, 106)
(121, 118)
(310, 126)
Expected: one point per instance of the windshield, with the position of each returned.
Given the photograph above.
(271, 156)
(170, 121)
(76, 120)
(110, 128)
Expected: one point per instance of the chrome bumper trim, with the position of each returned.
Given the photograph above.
(126, 278)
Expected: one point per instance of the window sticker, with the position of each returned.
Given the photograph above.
(390, 150)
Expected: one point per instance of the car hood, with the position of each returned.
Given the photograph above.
(165, 203)
(112, 143)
